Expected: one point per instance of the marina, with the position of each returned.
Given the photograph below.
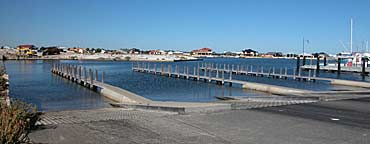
(184, 72)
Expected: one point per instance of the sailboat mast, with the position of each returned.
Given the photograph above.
(351, 35)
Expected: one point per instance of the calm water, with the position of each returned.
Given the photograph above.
(33, 82)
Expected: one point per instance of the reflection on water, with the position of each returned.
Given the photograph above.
(33, 82)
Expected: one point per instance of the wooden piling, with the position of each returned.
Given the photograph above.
(205, 73)
(281, 72)
(237, 69)
(91, 78)
(85, 76)
(339, 66)
(216, 73)
(194, 72)
(231, 78)
(210, 75)
(286, 72)
(198, 71)
(155, 69)
(317, 65)
(228, 67)
(162, 69)
(148, 68)
(363, 65)
(262, 72)
(187, 72)
(79, 74)
(223, 77)
(102, 77)
(298, 64)
(76, 73)
(170, 70)
(269, 72)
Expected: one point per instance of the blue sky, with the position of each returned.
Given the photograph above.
(224, 25)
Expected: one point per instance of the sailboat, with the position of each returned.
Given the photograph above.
(353, 58)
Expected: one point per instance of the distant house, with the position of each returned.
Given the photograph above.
(156, 52)
(291, 55)
(134, 51)
(50, 50)
(26, 50)
(249, 52)
(202, 51)
(178, 53)
(78, 50)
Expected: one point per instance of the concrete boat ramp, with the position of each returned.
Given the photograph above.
(127, 99)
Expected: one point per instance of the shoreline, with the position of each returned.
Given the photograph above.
(150, 60)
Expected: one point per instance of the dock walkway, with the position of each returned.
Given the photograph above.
(225, 75)
(335, 68)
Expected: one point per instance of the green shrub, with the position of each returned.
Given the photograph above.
(16, 121)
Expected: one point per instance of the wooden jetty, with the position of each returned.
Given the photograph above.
(260, 71)
(89, 78)
(221, 74)
(220, 77)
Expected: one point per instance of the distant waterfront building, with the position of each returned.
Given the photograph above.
(78, 50)
(50, 50)
(249, 52)
(156, 52)
(26, 50)
(134, 51)
(178, 53)
(291, 55)
(202, 52)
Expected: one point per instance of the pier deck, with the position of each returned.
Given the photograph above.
(335, 68)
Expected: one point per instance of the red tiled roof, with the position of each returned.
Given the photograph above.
(26, 46)
(203, 50)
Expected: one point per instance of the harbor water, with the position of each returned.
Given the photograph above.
(32, 81)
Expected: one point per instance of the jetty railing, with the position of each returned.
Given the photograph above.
(81, 75)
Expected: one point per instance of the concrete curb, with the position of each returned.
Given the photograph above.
(178, 107)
